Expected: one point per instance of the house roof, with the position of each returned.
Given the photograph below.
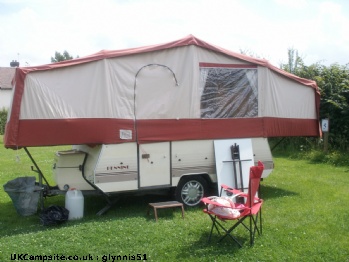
(6, 76)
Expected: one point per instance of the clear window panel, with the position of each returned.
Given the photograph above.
(229, 92)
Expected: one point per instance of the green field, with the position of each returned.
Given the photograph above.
(305, 218)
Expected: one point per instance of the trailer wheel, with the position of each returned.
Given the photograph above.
(190, 190)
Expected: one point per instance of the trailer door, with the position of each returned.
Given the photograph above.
(154, 164)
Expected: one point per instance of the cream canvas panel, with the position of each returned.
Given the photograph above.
(153, 100)
(166, 84)
(84, 91)
(108, 88)
(209, 56)
(282, 97)
(157, 94)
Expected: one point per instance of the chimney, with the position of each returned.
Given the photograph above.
(14, 63)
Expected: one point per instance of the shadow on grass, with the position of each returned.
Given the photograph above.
(129, 207)
(202, 248)
(274, 192)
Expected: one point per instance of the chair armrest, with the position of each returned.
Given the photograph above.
(230, 189)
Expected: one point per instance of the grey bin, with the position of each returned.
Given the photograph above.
(24, 195)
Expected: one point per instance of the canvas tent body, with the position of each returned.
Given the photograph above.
(148, 117)
(186, 89)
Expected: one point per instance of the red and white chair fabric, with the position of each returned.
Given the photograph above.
(223, 209)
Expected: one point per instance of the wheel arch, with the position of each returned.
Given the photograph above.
(205, 176)
(202, 178)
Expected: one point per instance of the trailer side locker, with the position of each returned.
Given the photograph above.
(67, 170)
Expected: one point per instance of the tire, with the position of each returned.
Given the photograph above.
(190, 190)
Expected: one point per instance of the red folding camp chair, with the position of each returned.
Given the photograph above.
(224, 208)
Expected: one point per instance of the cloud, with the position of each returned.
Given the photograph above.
(298, 4)
(38, 28)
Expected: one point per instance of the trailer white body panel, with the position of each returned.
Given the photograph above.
(127, 167)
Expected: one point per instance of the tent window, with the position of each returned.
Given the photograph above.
(228, 92)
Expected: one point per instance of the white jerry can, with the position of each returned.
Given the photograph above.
(74, 202)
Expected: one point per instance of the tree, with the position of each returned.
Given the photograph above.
(294, 62)
(334, 86)
(61, 57)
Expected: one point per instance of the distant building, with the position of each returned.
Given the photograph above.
(6, 76)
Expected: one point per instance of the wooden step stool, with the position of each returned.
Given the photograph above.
(166, 204)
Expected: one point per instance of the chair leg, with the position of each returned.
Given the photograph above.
(257, 226)
(254, 227)
(251, 232)
(228, 232)
(214, 222)
(260, 220)
(233, 238)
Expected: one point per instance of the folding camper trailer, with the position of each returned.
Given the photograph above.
(158, 116)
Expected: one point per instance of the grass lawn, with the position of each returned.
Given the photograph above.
(305, 218)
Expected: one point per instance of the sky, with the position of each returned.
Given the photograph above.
(31, 31)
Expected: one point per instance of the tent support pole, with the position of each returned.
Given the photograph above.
(110, 203)
(41, 177)
(279, 142)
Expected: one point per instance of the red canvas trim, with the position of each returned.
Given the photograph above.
(107, 131)
(12, 126)
(71, 132)
(244, 66)
(187, 129)
(277, 127)
(193, 129)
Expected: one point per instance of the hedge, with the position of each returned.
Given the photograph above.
(3, 119)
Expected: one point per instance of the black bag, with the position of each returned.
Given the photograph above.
(54, 215)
